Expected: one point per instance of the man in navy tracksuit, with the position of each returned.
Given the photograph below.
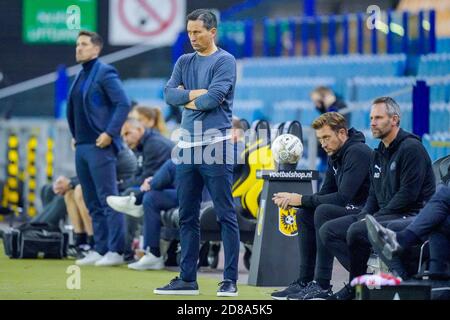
(203, 83)
(97, 108)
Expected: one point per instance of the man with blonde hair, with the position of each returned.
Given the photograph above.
(343, 192)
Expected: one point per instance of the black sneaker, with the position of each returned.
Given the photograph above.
(78, 252)
(346, 293)
(294, 287)
(178, 287)
(312, 291)
(227, 288)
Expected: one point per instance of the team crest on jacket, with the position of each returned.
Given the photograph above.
(287, 223)
(393, 166)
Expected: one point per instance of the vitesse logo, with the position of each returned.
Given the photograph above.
(287, 223)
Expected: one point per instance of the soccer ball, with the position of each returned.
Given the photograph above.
(289, 220)
(287, 148)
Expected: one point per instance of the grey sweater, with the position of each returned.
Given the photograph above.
(217, 74)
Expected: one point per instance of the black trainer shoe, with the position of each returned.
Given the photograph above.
(227, 288)
(346, 293)
(312, 291)
(179, 287)
(383, 239)
(294, 287)
(78, 252)
(72, 251)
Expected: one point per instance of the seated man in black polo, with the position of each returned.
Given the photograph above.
(344, 192)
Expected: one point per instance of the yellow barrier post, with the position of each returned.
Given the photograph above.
(11, 190)
(31, 172)
(50, 159)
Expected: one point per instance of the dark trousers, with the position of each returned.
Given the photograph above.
(433, 216)
(54, 210)
(348, 241)
(96, 169)
(154, 201)
(47, 194)
(132, 224)
(432, 223)
(404, 265)
(440, 237)
(316, 262)
(217, 178)
(440, 250)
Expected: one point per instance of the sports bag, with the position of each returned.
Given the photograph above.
(34, 240)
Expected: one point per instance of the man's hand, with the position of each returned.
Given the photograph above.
(285, 200)
(146, 185)
(194, 94)
(103, 140)
(190, 105)
(61, 185)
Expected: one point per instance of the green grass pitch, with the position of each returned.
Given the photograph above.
(46, 279)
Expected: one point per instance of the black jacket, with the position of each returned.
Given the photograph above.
(347, 177)
(401, 177)
(126, 168)
(155, 150)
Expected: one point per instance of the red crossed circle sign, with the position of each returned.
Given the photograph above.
(148, 8)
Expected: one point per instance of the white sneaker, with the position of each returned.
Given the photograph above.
(148, 262)
(90, 259)
(126, 204)
(110, 259)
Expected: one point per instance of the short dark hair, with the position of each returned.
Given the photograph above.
(96, 39)
(392, 107)
(209, 19)
(334, 120)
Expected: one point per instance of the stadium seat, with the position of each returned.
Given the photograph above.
(437, 144)
(441, 168)
(437, 64)
(343, 66)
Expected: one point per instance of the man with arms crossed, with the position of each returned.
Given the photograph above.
(203, 82)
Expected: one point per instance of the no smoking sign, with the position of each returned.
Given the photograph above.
(154, 22)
